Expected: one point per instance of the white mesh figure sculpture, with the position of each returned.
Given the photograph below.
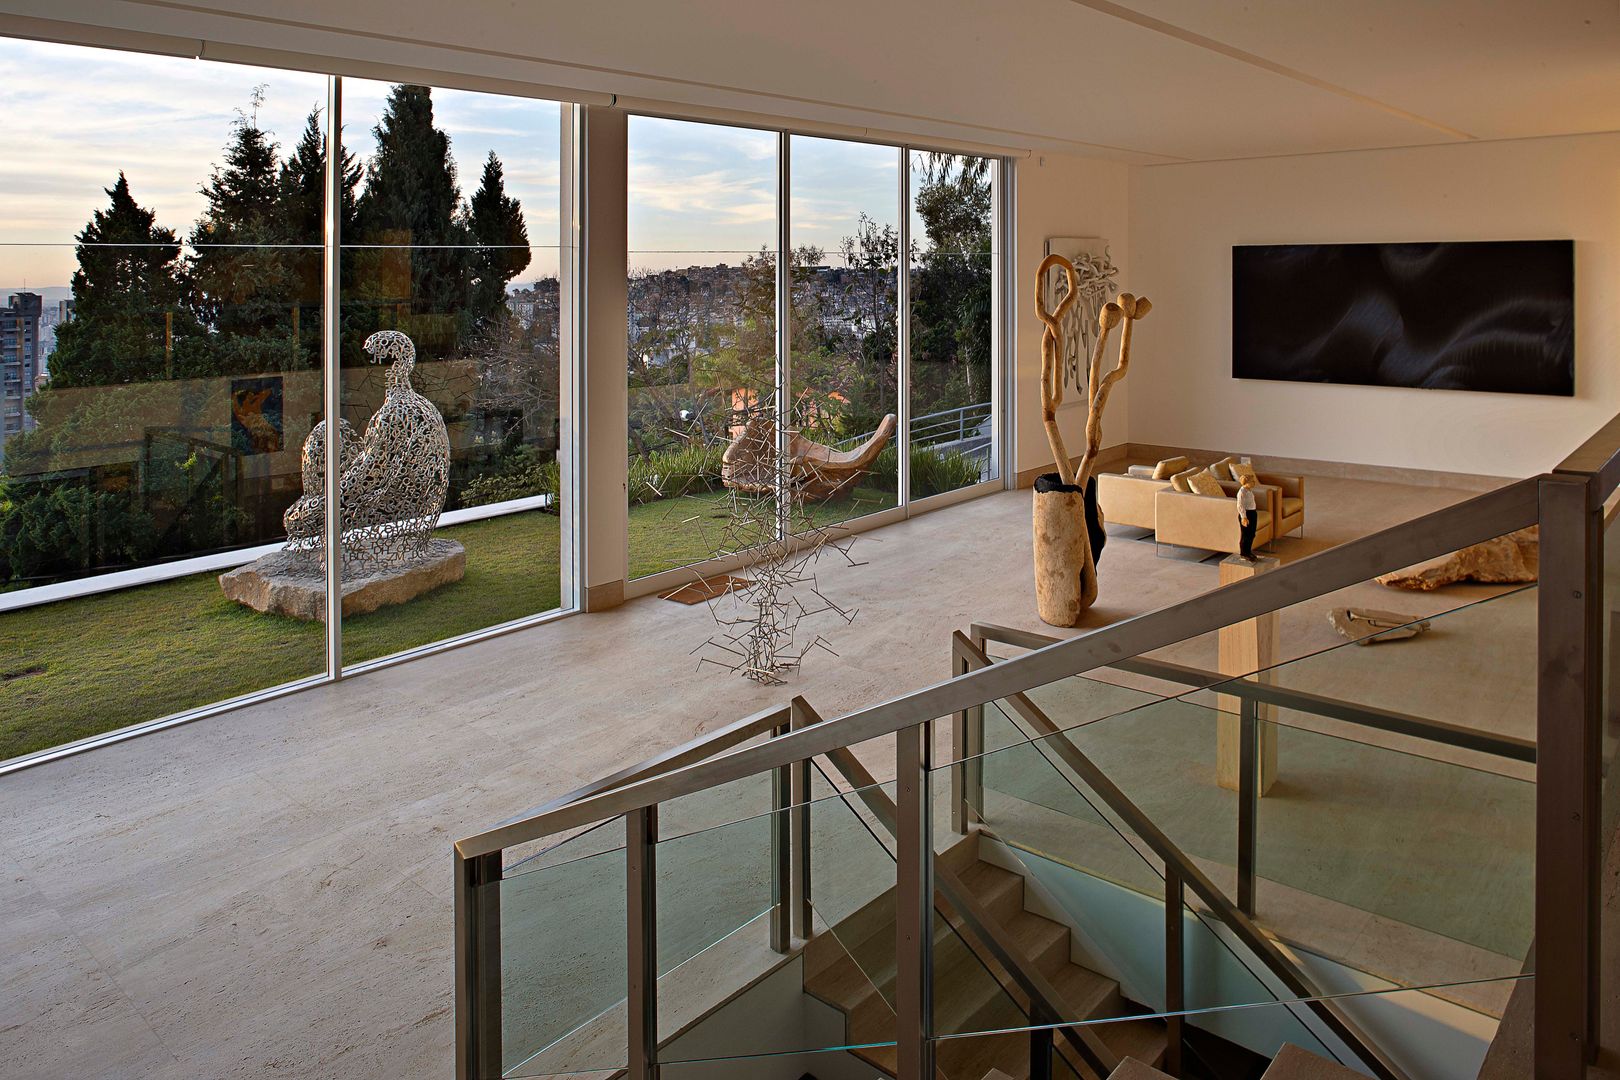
(393, 482)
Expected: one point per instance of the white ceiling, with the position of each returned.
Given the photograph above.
(1142, 80)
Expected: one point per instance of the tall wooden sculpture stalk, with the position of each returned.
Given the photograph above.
(1065, 564)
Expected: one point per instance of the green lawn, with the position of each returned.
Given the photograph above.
(81, 667)
(671, 533)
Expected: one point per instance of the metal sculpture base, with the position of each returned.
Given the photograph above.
(292, 583)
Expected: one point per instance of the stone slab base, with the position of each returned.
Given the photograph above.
(283, 583)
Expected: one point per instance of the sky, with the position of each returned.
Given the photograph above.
(699, 193)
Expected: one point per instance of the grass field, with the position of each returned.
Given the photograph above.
(81, 667)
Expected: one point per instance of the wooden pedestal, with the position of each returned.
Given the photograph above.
(1245, 648)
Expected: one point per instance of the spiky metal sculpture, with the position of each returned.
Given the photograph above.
(771, 529)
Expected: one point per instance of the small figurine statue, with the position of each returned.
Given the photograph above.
(1248, 516)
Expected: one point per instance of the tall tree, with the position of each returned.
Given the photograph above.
(302, 211)
(302, 188)
(496, 223)
(951, 285)
(131, 320)
(417, 273)
(245, 279)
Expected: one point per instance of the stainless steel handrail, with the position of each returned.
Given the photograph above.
(1043, 997)
(1188, 873)
(1239, 686)
(1492, 514)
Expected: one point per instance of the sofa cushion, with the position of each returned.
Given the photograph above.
(1169, 467)
(1181, 480)
(1222, 469)
(1241, 469)
(1203, 482)
(1142, 472)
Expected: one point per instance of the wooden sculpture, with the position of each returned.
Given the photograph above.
(1065, 565)
(819, 471)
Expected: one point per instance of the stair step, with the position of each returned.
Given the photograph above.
(999, 891)
(1085, 993)
(1041, 940)
(1143, 1040)
(1294, 1063)
(1131, 1069)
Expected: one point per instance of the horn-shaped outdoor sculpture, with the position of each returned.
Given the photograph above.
(1066, 514)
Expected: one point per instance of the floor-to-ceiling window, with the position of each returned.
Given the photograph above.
(160, 227)
(846, 292)
(163, 273)
(451, 236)
(888, 367)
(951, 292)
(702, 219)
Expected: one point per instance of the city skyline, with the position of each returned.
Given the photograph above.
(699, 193)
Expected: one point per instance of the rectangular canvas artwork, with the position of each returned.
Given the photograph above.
(1493, 316)
(256, 415)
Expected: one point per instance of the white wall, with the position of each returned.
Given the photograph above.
(1184, 220)
(1061, 195)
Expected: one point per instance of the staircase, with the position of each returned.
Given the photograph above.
(1291, 1063)
(851, 968)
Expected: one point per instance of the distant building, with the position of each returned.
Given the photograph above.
(19, 361)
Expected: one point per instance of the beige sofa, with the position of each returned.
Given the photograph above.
(1128, 500)
(1208, 522)
(1136, 501)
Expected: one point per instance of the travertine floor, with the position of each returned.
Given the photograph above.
(266, 893)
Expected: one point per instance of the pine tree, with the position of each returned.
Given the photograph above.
(302, 213)
(497, 227)
(131, 320)
(245, 279)
(419, 279)
(302, 187)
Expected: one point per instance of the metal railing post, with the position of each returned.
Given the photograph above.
(1040, 1050)
(478, 965)
(641, 952)
(1175, 972)
(1248, 808)
(1568, 776)
(803, 918)
(967, 746)
(781, 922)
(914, 906)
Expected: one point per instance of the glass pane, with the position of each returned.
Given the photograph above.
(952, 331)
(159, 369)
(723, 992)
(849, 962)
(451, 238)
(702, 330)
(563, 960)
(714, 902)
(846, 251)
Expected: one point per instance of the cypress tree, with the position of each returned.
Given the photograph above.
(302, 214)
(497, 226)
(302, 188)
(419, 278)
(246, 290)
(131, 321)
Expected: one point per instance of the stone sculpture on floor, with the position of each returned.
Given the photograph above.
(1505, 560)
(392, 486)
(1366, 626)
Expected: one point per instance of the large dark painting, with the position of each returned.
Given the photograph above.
(1491, 315)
